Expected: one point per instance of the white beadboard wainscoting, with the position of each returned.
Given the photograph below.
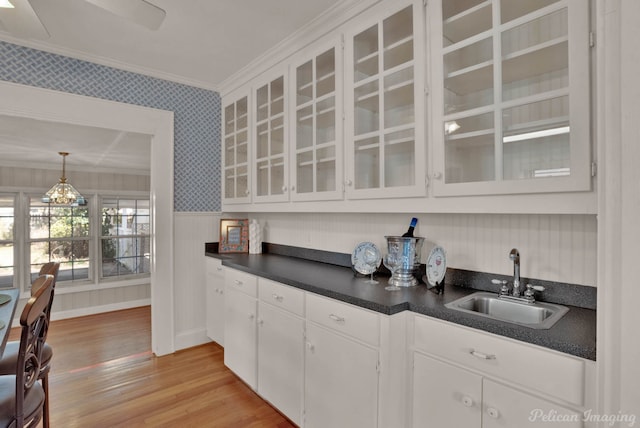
(554, 247)
(191, 231)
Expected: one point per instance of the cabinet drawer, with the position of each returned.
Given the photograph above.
(282, 296)
(214, 267)
(241, 281)
(527, 365)
(345, 318)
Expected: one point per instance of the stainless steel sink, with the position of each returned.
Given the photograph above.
(539, 315)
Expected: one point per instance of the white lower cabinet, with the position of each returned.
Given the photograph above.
(341, 381)
(324, 363)
(466, 378)
(281, 359)
(241, 332)
(341, 372)
(214, 274)
(445, 396)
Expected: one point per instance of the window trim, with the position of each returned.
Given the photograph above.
(22, 260)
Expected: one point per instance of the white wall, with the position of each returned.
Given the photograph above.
(552, 247)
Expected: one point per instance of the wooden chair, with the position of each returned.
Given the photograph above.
(22, 397)
(10, 354)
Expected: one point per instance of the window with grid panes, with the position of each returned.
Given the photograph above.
(125, 237)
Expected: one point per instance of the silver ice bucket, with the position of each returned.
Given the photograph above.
(403, 259)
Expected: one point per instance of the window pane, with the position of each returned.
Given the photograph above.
(125, 241)
(6, 218)
(59, 233)
(6, 265)
(125, 256)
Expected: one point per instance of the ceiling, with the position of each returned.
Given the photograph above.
(200, 42)
(28, 142)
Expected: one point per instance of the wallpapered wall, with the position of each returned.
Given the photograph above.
(197, 114)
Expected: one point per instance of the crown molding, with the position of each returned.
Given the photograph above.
(322, 25)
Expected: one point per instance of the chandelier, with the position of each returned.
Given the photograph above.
(63, 193)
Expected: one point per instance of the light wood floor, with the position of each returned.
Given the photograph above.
(104, 375)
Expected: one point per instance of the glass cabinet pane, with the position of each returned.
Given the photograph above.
(465, 18)
(470, 149)
(235, 150)
(365, 54)
(506, 86)
(384, 105)
(270, 132)
(536, 140)
(316, 126)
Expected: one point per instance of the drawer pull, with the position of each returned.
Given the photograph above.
(482, 355)
(276, 297)
(467, 401)
(219, 269)
(237, 282)
(336, 318)
(494, 413)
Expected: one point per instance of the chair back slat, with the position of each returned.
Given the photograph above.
(34, 324)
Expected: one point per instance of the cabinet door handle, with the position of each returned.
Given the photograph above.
(467, 401)
(310, 347)
(276, 297)
(494, 413)
(336, 318)
(482, 355)
(349, 183)
(284, 189)
(260, 322)
(251, 317)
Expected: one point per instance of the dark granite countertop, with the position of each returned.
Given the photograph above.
(574, 334)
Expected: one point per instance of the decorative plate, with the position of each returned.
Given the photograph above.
(4, 298)
(436, 266)
(366, 258)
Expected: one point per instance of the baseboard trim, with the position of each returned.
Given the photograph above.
(92, 310)
(191, 338)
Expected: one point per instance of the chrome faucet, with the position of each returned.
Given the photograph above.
(514, 255)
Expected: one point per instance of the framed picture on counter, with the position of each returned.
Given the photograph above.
(234, 236)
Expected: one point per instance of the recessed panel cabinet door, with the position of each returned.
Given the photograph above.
(507, 407)
(240, 336)
(280, 360)
(341, 381)
(215, 300)
(445, 395)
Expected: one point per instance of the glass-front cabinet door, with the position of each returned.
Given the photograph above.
(316, 117)
(235, 149)
(511, 96)
(385, 146)
(270, 132)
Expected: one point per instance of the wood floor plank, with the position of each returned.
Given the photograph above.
(104, 375)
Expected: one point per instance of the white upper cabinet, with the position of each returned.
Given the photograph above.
(235, 149)
(510, 96)
(385, 147)
(270, 176)
(316, 124)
